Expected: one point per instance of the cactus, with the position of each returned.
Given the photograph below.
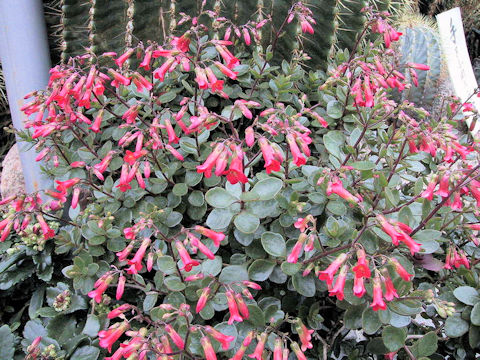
(420, 43)
(113, 25)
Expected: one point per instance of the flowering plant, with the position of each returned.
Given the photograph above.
(210, 205)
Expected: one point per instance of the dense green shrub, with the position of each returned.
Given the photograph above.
(208, 205)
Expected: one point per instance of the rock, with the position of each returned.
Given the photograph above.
(12, 181)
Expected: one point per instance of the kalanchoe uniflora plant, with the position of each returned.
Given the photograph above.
(209, 205)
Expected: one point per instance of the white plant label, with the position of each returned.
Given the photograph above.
(459, 66)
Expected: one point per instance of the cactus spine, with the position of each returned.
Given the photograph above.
(114, 25)
(420, 44)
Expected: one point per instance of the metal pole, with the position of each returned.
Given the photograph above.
(25, 58)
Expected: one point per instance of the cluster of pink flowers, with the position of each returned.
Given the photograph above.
(27, 208)
(362, 272)
(168, 342)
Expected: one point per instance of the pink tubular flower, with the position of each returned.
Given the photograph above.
(77, 164)
(412, 245)
(361, 270)
(336, 187)
(271, 164)
(48, 232)
(172, 137)
(201, 78)
(443, 190)
(75, 197)
(297, 351)
(225, 70)
(62, 186)
(258, 353)
(174, 152)
(195, 277)
(208, 348)
(304, 334)
(232, 308)
(428, 192)
(251, 285)
(278, 349)
(235, 172)
(118, 78)
(162, 70)
(136, 262)
(298, 157)
(359, 287)
(202, 300)
(242, 306)
(243, 348)
(209, 163)
(122, 58)
(328, 274)
(339, 287)
(224, 340)
(97, 123)
(6, 231)
(101, 285)
(177, 339)
(188, 262)
(378, 302)
(120, 287)
(118, 311)
(302, 223)
(110, 336)
(146, 60)
(297, 248)
(129, 233)
(217, 237)
(195, 242)
(400, 270)
(249, 136)
(418, 66)
(390, 291)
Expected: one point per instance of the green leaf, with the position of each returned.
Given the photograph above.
(256, 317)
(455, 326)
(166, 264)
(246, 222)
(150, 301)
(173, 283)
(180, 189)
(475, 314)
(219, 198)
(467, 295)
(219, 219)
(233, 273)
(268, 188)
(36, 302)
(363, 165)
(212, 267)
(370, 321)
(394, 338)
(333, 141)
(427, 345)
(92, 326)
(334, 109)
(7, 343)
(305, 285)
(260, 269)
(86, 353)
(167, 97)
(290, 269)
(196, 198)
(274, 244)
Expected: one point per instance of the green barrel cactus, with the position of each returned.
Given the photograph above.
(420, 43)
(114, 25)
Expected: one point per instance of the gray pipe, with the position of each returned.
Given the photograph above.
(25, 58)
